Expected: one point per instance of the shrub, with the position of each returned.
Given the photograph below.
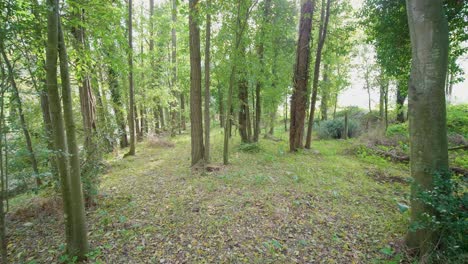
(335, 128)
(249, 147)
(448, 200)
(398, 130)
(457, 119)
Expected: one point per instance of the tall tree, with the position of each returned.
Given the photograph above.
(427, 110)
(3, 176)
(207, 80)
(78, 245)
(69, 172)
(301, 77)
(131, 107)
(196, 114)
(324, 18)
(174, 121)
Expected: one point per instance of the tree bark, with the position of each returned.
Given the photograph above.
(79, 241)
(196, 116)
(207, 81)
(131, 118)
(324, 18)
(301, 78)
(427, 111)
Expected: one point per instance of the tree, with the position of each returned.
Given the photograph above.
(207, 81)
(131, 107)
(324, 18)
(19, 105)
(427, 111)
(301, 77)
(196, 116)
(65, 145)
(3, 175)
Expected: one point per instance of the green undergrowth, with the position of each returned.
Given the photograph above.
(268, 206)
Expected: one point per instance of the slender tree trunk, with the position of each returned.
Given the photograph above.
(301, 78)
(243, 96)
(238, 39)
(4, 187)
(118, 107)
(196, 116)
(174, 122)
(345, 130)
(324, 18)
(325, 95)
(19, 105)
(427, 112)
(87, 101)
(400, 101)
(131, 119)
(221, 107)
(260, 52)
(207, 81)
(286, 114)
(79, 241)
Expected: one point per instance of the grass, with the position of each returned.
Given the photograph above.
(267, 206)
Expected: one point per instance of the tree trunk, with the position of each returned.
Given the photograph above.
(4, 187)
(207, 82)
(238, 39)
(118, 107)
(131, 119)
(243, 95)
(301, 78)
(19, 106)
(88, 106)
(324, 18)
(174, 122)
(79, 241)
(260, 52)
(196, 116)
(400, 101)
(325, 95)
(427, 111)
(221, 107)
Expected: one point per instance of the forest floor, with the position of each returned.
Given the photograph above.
(326, 205)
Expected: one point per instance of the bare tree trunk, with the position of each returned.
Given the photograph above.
(301, 78)
(19, 106)
(427, 113)
(131, 119)
(196, 116)
(78, 245)
(221, 107)
(207, 82)
(324, 18)
(286, 114)
(3, 176)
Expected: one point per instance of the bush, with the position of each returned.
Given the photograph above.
(457, 119)
(398, 130)
(448, 200)
(249, 147)
(335, 128)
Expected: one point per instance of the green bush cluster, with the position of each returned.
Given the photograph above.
(449, 201)
(457, 123)
(335, 128)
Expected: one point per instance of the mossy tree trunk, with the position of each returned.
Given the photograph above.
(427, 111)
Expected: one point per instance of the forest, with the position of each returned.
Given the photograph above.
(233, 131)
